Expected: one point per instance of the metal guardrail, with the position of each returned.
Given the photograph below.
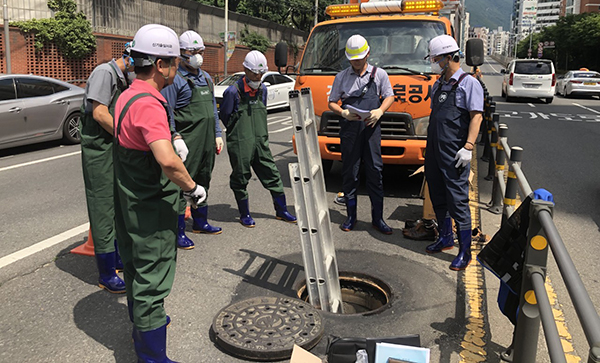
(534, 306)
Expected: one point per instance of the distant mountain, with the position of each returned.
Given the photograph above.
(489, 13)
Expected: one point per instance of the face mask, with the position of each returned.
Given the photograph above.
(196, 61)
(435, 66)
(254, 84)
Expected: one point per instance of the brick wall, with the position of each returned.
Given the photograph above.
(49, 61)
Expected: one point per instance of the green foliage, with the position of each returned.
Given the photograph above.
(254, 41)
(69, 30)
(576, 39)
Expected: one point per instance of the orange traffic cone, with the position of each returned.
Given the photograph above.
(86, 249)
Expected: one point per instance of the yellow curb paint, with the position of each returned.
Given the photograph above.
(469, 357)
(567, 346)
(572, 358)
(473, 348)
(562, 330)
(530, 297)
(539, 242)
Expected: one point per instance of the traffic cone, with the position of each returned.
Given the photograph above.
(86, 249)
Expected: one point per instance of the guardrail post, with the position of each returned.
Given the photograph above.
(594, 354)
(485, 129)
(510, 196)
(493, 144)
(536, 257)
(496, 203)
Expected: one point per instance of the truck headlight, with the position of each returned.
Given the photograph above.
(420, 125)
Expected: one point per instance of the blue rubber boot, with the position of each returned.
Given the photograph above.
(109, 279)
(151, 346)
(445, 239)
(245, 218)
(377, 218)
(281, 211)
(464, 251)
(183, 241)
(350, 221)
(118, 262)
(200, 222)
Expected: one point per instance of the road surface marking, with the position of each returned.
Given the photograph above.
(586, 108)
(40, 161)
(281, 130)
(531, 105)
(47, 243)
(492, 67)
(545, 117)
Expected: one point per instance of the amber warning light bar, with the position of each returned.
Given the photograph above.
(384, 7)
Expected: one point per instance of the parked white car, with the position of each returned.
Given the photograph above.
(530, 78)
(581, 82)
(278, 87)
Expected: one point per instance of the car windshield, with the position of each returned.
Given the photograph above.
(399, 47)
(533, 67)
(587, 75)
(230, 80)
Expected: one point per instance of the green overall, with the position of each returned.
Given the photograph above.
(248, 146)
(146, 224)
(98, 175)
(196, 124)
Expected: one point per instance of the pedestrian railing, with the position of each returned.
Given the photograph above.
(534, 306)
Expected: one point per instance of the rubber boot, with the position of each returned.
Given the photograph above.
(281, 211)
(245, 218)
(377, 219)
(183, 241)
(151, 346)
(464, 251)
(445, 239)
(118, 262)
(200, 222)
(350, 221)
(109, 279)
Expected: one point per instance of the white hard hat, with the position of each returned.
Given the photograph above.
(442, 44)
(357, 47)
(190, 40)
(156, 40)
(256, 62)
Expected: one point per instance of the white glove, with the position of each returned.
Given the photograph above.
(464, 157)
(181, 148)
(219, 143)
(375, 116)
(349, 115)
(195, 196)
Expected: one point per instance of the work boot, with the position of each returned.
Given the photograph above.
(151, 346)
(200, 222)
(183, 241)
(377, 218)
(445, 239)
(118, 262)
(109, 279)
(281, 211)
(464, 251)
(245, 218)
(349, 223)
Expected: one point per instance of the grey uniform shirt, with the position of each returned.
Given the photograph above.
(347, 82)
(102, 85)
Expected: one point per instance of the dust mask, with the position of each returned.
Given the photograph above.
(435, 66)
(254, 84)
(196, 61)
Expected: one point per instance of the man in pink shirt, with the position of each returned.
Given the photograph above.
(148, 175)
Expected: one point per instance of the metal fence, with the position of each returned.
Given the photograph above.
(534, 306)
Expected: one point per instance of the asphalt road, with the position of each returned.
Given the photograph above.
(52, 310)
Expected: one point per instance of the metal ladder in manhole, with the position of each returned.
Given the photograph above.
(312, 210)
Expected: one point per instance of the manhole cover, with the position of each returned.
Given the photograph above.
(266, 328)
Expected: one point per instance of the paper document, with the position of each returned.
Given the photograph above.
(362, 114)
(400, 353)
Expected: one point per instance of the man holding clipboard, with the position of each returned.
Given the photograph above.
(360, 88)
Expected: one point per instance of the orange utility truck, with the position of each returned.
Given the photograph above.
(398, 33)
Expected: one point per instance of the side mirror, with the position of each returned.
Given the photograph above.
(503, 71)
(281, 52)
(475, 53)
(267, 84)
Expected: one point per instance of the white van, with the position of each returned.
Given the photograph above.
(531, 78)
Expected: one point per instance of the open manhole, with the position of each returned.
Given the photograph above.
(361, 294)
(266, 328)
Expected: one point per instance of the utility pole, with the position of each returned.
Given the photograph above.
(225, 38)
(529, 52)
(6, 38)
(316, 11)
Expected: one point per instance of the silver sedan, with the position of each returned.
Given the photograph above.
(35, 109)
(581, 82)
